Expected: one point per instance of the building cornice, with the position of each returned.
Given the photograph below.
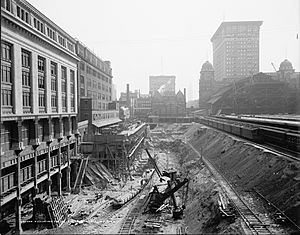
(11, 19)
(31, 8)
(223, 24)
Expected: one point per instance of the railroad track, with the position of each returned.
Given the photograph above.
(283, 138)
(254, 223)
(278, 150)
(139, 201)
(131, 216)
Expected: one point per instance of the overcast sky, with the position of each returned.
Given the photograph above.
(171, 37)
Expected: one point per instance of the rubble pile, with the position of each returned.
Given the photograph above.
(50, 212)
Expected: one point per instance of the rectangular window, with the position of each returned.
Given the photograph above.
(41, 64)
(41, 100)
(53, 100)
(25, 58)
(70, 46)
(72, 82)
(26, 78)
(22, 14)
(63, 79)
(6, 4)
(6, 97)
(61, 41)
(51, 34)
(53, 76)
(53, 69)
(81, 79)
(64, 101)
(6, 50)
(73, 102)
(26, 99)
(41, 81)
(6, 74)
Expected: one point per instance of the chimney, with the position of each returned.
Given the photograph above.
(127, 96)
(184, 93)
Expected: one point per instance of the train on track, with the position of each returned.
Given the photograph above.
(270, 133)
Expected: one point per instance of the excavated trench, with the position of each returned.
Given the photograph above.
(247, 167)
(201, 215)
(250, 170)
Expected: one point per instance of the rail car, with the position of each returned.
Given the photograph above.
(262, 135)
(286, 124)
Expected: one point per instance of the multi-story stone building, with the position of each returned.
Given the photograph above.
(163, 84)
(38, 105)
(142, 107)
(95, 78)
(236, 49)
(95, 86)
(169, 105)
(206, 83)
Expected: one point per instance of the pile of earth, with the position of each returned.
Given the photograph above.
(202, 215)
(251, 168)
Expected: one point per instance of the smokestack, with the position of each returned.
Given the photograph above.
(184, 91)
(127, 96)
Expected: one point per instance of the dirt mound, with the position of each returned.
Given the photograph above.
(251, 168)
(202, 215)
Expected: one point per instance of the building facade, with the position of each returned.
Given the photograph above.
(142, 107)
(206, 83)
(168, 105)
(38, 105)
(95, 80)
(236, 50)
(257, 94)
(163, 84)
(128, 100)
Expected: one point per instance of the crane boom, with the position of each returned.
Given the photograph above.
(273, 66)
(154, 164)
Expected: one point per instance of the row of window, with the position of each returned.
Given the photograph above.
(6, 78)
(99, 105)
(37, 24)
(93, 72)
(9, 132)
(89, 84)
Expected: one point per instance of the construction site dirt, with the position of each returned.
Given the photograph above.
(249, 169)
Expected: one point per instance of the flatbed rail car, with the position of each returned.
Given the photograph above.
(263, 135)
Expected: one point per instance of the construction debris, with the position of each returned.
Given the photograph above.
(50, 211)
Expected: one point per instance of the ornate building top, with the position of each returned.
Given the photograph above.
(286, 65)
(207, 66)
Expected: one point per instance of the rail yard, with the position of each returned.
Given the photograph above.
(184, 178)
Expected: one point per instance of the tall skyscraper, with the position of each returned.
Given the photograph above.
(236, 49)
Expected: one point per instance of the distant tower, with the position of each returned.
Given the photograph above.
(127, 96)
(236, 49)
(285, 70)
(206, 82)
